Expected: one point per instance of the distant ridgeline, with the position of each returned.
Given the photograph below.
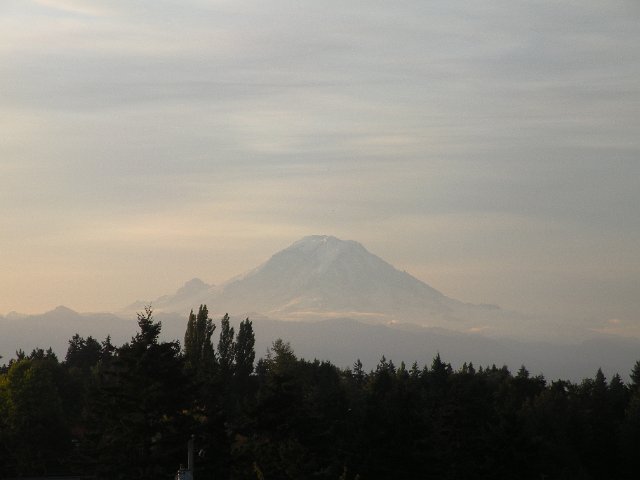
(128, 411)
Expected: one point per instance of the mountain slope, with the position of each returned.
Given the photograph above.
(322, 275)
(325, 277)
(190, 295)
(56, 327)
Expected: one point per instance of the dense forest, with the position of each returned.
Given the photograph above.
(127, 412)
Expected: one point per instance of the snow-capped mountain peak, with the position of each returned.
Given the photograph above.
(321, 276)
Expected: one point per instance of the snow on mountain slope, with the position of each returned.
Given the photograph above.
(322, 277)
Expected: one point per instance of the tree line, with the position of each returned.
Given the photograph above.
(126, 412)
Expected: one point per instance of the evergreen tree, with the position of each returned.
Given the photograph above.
(34, 428)
(244, 352)
(83, 354)
(226, 347)
(358, 372)
(198, 348)
(130, 410)
(136, 424)
(618, 397)
(106, 348)
(635, 376)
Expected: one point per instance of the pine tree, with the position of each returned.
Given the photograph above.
(137, 406)
(82, 353)
(149, 330)
(523, 373)
(107, 349)
(635, 376)
(358, 372)
(439, 368)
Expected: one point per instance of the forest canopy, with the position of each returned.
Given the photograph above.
(127, 411)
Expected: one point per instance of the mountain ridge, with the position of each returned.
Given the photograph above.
(334, 299)
(343, 340)
(322, 276)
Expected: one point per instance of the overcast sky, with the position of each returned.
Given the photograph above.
(489, 148)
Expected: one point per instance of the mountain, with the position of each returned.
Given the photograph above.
(325, 276)
(335, 300)
(189, 296)
(56, 327)
(342, 341)
(321, 277)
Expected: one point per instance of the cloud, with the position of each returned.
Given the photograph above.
(490, 149)
(623, 328)
(76, 7)
(481, 329)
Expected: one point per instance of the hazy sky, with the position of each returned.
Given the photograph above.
(489, 148)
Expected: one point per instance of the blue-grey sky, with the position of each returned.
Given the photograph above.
(489, 148)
